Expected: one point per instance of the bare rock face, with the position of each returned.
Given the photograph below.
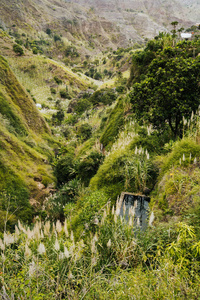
(106, 22)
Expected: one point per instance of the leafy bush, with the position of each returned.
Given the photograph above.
(183, 152)
(57, 80)
(82, 105)
(104, 96)
(64, 94)
(54, 205)
(58, 117)
(84, 131)
(89, 165)
(64, 169)
(35, 50)
(18, 49)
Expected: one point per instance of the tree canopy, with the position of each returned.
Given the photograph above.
(170, 89)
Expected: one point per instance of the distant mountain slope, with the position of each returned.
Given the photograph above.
(105, 23)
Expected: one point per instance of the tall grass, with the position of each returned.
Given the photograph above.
(111, 262)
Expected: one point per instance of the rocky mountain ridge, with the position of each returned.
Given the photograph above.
(103, 23)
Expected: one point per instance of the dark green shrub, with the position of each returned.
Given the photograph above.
(63, 94)
(65, 169)
(104, 96)
(71, 51)
(48, 31)
(35, 50)
(18, 49)
(56, 38)
(57, 80)
(84, 131)
(82, 105)
(89, 165)
(98, 76)
(64, 197)
(58, 117)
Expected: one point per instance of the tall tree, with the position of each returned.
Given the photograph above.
(170, 91)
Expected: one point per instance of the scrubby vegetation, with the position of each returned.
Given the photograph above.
(140, 135)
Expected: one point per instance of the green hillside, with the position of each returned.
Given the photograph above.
(63, 165)
(24, 149)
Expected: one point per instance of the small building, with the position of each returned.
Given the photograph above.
(186, 35)
(136, 206)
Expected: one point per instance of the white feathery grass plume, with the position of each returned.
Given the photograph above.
(65, 229)
(2, 246)
(132, 211)
(133, 243)
(30, 234)
(184, 121)
(93, 246)
(41, 234)
(117, 212)
(124, 208)
(94, 261)
(95, 237)
(151, 219)
(71, 250)
(136, 150)
(8, 238)
(192, 116)
(183, 157)
(47, 227)
(32, 268)
(115, 218)
(113, 210)
(70, 275)
(118, 206)
(138, 221)
(58, 226)
(72, 236)
(36, 231)
(147, 155)
(61, 256)
(130, 222)
(109, 243)
(190, 156)
(195, 160)
(21, 227)
(57, 245)
(66, 252)
(28, 251)
(3, 257)
(104, 217)
(96, 221)
(16, 231)
(41, 248)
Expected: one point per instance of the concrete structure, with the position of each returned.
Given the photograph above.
(186, 35)
(135, 206)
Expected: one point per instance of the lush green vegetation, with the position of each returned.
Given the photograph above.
(70, 242)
